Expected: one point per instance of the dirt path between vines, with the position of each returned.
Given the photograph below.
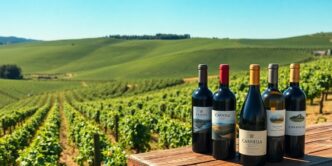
(69, 152)
(194, 79)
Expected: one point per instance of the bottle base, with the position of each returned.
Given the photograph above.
(252, 160)
(201, 151)
(217, 157)
(270, 160)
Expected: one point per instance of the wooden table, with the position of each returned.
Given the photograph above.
(318, 151)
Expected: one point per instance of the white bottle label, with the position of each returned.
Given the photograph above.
(223, 124)
(295, 123)
(202, 119)
(275, 122)
(252, 143)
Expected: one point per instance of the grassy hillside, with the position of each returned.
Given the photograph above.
(105, 59)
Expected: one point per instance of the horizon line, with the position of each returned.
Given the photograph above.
(192, 37)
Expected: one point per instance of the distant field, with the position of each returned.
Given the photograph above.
(111, 59)
(13, 90)
(114, 59)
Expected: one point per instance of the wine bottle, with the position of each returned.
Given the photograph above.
(252, 123)
(223, 118)
(295, 100)
(201, 113)
(274, 103)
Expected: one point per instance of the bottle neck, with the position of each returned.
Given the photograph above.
(254, 77)
(202, 85)
(202, 78)
(273, 77)
(254, 88)
(224, 75)
(294, 75)
(294, 84)
(223, 86)
(273, 86)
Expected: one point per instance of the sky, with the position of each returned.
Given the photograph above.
(67, 19)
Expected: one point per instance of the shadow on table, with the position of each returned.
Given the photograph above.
(307, 160)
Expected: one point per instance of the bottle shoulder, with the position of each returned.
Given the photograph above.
(253, 101)
(294, 92)
(253, 113)
(270, 94)
(273, 98)
(202, 93)
(224, 94)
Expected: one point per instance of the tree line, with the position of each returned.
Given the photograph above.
(10, 72)
(158, 36)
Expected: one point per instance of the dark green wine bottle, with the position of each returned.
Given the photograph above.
(252, 125)
(201, 113)
(223, 118)
(295, 115)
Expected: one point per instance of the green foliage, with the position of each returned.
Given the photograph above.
(173, 133)
(135, 132)
(14, 90)
(13, 119)
(121, 88)
(16, 114)
(10, 72)
(82, 133)
(45, 149)
(115, 155)
(316, 77)
(11, 144)
(158, 36)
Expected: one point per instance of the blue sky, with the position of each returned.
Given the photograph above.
(65, 19)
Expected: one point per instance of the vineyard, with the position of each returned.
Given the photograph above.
(14, 90)
(104, 123)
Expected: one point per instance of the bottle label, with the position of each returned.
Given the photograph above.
(201, 119)
(295, 123)
(275, 122)
(223, 124)
(252, 143)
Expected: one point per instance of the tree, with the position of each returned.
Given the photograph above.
(10, 72)
(158, 36)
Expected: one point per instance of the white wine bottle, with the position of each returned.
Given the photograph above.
(274, 102)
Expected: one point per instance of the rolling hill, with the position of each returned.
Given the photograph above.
(13, 40)
(113, 59)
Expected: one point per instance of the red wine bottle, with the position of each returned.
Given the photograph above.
(223, 118)
(252, 124)
(201, 113)
(295, 115)
(274, 102)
